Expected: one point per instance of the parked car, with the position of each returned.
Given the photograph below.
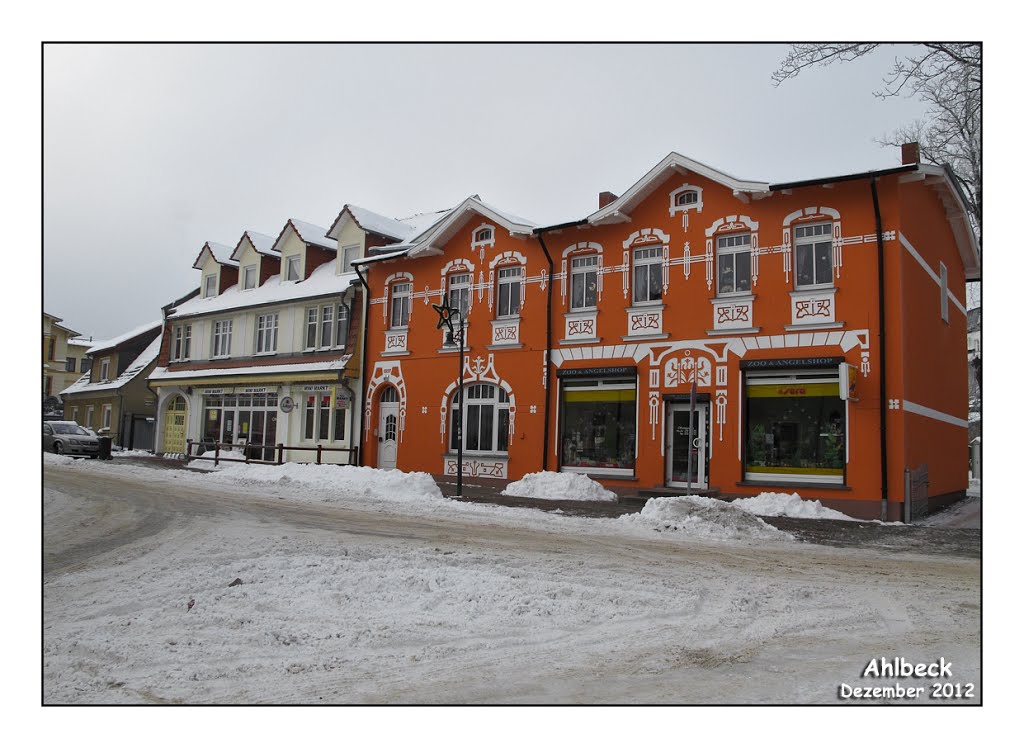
(68, 438)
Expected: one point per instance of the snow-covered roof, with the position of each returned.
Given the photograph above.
(141, 361)
(321, 282)
(133, 333)
(86, 343)
(674, 163)
(261, 243)
(220, 252)
(400, 229)
(308, 232)
(430, 241)
(161, 372)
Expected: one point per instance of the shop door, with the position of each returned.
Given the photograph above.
(686, 453)
(174, 426)
(387, 434)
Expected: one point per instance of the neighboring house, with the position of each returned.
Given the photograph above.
(58, 363)
(587, 340)
(112, 394)
(265, 353)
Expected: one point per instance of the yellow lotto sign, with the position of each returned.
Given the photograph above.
(848, 375)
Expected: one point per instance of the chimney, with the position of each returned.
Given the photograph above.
(911, 153)
(605, 198)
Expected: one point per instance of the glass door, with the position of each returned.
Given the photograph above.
(686, 454)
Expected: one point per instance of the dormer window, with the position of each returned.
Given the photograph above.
(209, 286)
(249, 277)
(291, 272)
(104, 370)
(347, 255)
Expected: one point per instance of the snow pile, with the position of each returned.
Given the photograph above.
(132, 453)
(334, 482)
(788, 505)
(50, 457)
(702, 517)
(562, 486)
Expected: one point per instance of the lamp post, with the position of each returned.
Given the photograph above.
(444, 319)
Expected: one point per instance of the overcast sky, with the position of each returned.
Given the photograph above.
(152, 150)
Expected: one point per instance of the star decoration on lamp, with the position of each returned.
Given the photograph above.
(444, 315)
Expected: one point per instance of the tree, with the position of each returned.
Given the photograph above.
(947, 77)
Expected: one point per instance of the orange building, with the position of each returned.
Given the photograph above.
(817, 327)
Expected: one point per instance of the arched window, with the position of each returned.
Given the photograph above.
(483, 235)
(687, 197)
(486, 419)
(389, 395)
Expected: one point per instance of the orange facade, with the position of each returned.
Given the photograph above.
(585, 342)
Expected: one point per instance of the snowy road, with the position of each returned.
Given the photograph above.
(362, 601)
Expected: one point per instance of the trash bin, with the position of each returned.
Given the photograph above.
(105, 444)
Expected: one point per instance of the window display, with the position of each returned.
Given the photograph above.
(795, 428)
(598, 425)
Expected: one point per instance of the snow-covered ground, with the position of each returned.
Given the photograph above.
(357, 591)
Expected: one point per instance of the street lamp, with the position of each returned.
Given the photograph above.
(444, 319)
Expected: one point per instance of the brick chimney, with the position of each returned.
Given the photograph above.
(605, 198)
(911, 153)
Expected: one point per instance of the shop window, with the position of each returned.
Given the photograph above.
(340, 415)
(266, 333)
(733, 264)
(812, 245)
(249, 277)
(222, 338)
(486, 420)
(291, 264)
(647, 274)
(182, 344)
(510, 280)
(323, 417)
(401, 294)
(795, 428)
(598, 426)
(248, 418)
(584, 283)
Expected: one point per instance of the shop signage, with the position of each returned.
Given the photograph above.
(216, 391)
(848, 374)
(792, 363)
(287, 405)
(317, 388)
(604, 371)
(254, 390)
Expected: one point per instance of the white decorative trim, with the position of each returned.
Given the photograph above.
(931, 273)
(477, 372)
(389, 373)
(646, 236)
(731, 223)
(506, 256)
(474, 244)
(685, 209)
(458, 265)
(938, 415)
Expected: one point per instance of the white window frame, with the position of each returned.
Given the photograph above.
(105, 370)
(88, 415)
(733, 247)
(181, 345)
(461, 283)
(643, 259)
(498, 401)
(105, 419)
(401, 302)
(266, 333)
(74, 414)
(312, 328)
(581, 267)
(676, 207)
(249, 283)
(209, 286)
(313, 417)
(341, 330)
(326, 327)
(292, 272)
(221, 338)
(510, 276)
(346, 259)
(810, 241)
